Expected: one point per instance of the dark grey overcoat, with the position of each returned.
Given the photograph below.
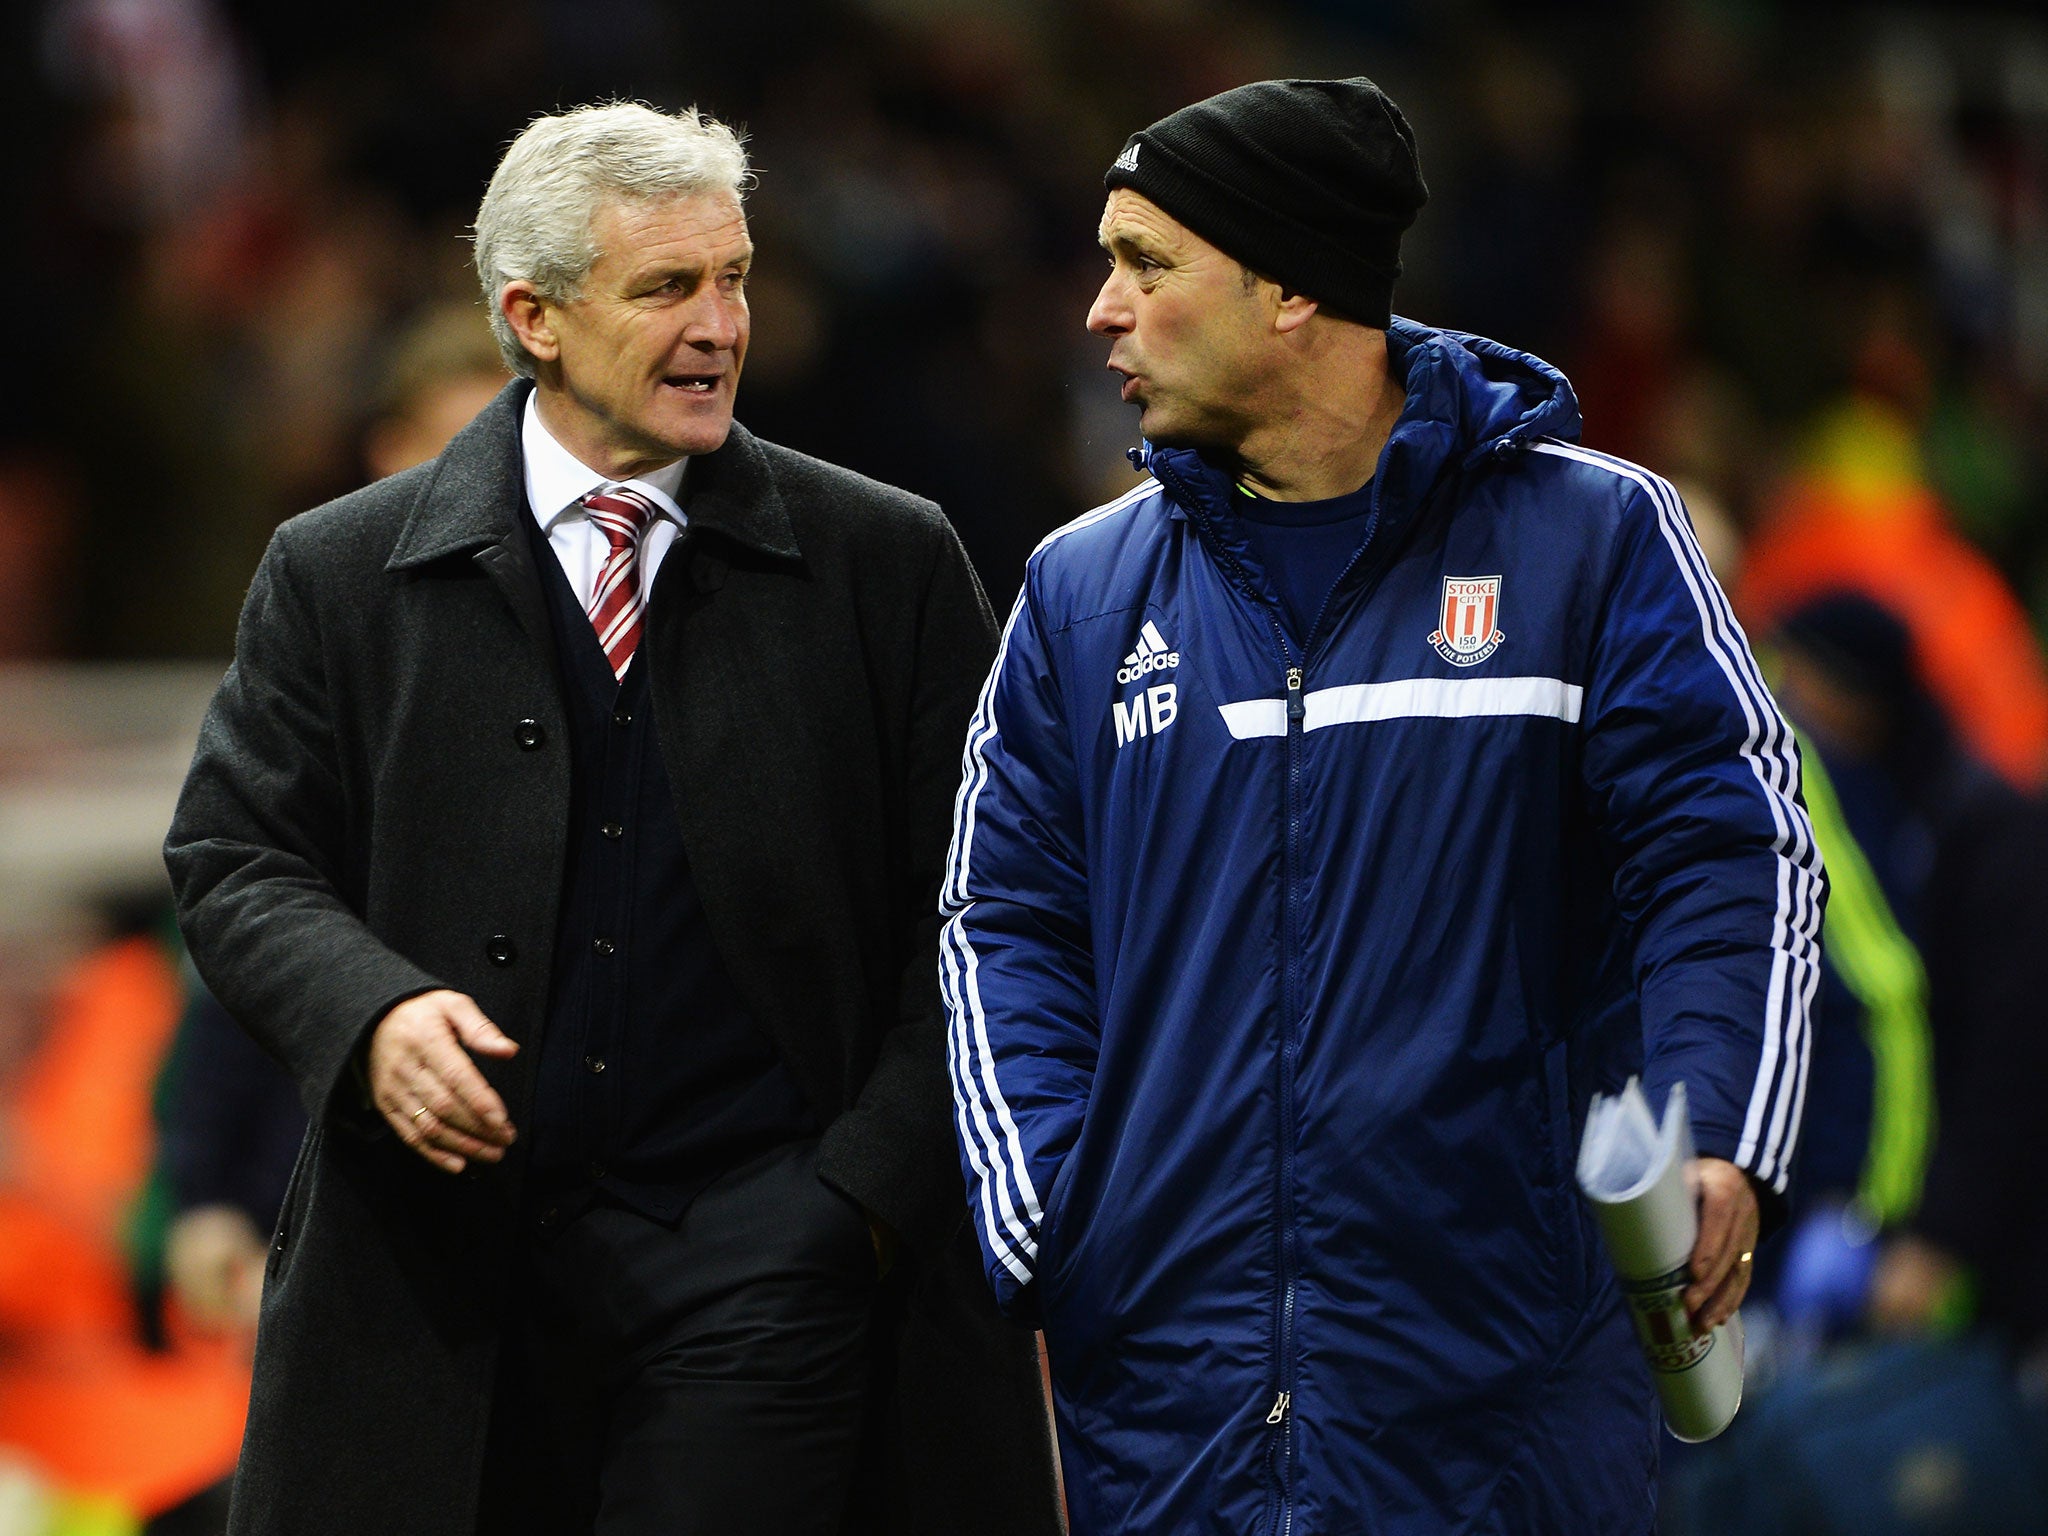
(378, 806)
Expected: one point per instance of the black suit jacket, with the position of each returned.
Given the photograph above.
(378, 805)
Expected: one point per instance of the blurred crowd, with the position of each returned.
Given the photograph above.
(1761, 239)
(1793, 257)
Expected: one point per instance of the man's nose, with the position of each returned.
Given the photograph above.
(1110, 314)
(714, 323)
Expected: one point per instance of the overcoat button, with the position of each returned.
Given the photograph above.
(500, 950)
(529, 735)
(622, 717)
(613, 830)
(603, 946)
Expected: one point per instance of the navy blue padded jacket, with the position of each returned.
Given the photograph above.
(1281, 969)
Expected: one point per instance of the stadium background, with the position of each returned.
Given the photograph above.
(1794, 257)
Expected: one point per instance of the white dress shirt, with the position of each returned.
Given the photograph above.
(556, 483)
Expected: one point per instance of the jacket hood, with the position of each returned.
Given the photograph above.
(1467, 397)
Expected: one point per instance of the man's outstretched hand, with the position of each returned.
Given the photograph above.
(429, 1091)
(1722, 1253)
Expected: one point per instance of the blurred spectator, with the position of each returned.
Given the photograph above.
(1931, 992)
(168, 91)
(1860, 515)
(37, 513)
(1636, 347)
(1517, 216)
(83, 1401)
(442, 370)
(231, 1126)
(1962, 859)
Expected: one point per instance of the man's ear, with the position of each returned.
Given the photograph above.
(531, 317)
(1293, 311)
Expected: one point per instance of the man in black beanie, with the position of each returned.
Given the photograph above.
(1349, 803)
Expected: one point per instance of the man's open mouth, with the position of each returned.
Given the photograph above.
(700, 384)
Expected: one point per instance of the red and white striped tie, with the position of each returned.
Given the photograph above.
(615, 604)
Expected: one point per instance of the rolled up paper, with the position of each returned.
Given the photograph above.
(1633, 1171)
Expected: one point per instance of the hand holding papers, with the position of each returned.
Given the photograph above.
(1634, 1173)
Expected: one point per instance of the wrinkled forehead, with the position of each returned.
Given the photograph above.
(628, 212)
(1124, 209)
(712, 225)
(1131, 218)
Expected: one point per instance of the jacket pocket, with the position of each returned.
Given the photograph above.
(1052, 1215)
(1569, 1234)
(296, 1192)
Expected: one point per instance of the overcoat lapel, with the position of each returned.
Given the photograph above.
(509, 564)
(733, 493)
(473, 502)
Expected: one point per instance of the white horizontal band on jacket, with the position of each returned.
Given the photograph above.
(1410, 698)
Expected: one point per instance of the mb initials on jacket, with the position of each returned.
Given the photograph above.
(1158, 706)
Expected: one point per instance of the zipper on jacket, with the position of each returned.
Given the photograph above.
(1279, 1416)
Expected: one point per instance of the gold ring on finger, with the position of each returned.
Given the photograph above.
(423, 1109)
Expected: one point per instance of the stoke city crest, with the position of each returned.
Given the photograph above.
(1469, 629)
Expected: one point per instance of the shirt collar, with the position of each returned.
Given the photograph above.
(557, 481)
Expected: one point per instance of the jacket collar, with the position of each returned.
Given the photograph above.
(476, 494)
(1467, 399)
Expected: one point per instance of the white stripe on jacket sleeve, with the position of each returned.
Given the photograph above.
(1777, 1097)
(1009, 1205)
(976, 1135)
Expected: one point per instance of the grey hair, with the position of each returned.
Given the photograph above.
(534, 224)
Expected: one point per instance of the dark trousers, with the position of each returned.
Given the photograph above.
(708, 1377)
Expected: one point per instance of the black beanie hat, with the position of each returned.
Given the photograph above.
(1308, 182)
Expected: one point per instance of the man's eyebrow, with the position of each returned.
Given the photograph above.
(657, 273)
(662, 271)
(693, 267)
(1130, 240)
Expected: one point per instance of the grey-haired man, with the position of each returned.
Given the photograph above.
(570, 826)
